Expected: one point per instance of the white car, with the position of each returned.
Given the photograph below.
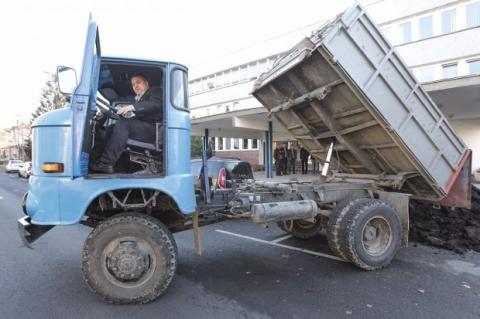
(25, 170)
(13, 166)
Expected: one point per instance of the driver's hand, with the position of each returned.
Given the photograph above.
(125, 109)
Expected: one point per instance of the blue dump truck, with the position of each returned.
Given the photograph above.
(343, 93)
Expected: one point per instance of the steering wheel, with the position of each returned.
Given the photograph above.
(105, 107)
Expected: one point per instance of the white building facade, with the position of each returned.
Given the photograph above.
(438, 39)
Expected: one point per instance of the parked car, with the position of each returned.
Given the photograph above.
(13, 166)
(25, 170)
(222, 172)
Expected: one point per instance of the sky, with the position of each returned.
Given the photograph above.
(206, 36)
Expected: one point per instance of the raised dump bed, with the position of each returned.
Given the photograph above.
(346, 84)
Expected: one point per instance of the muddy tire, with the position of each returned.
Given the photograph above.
(301, 228)
(373, 233)
(129, 258)
(336, 225)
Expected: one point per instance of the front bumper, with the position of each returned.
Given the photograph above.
(30, 232)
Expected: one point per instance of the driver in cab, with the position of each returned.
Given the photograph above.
(137, 122)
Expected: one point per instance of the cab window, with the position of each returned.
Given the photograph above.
(179, 89)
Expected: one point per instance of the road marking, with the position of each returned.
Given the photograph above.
(1, 197)
(281, 239)
(273, 243)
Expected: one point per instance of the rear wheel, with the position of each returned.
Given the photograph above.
(373, 233)
(336, 225)
(300, 228)
(129, 258)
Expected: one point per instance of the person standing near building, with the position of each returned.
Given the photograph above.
(304, 154)
(314, 165)
(285, 159)
(279, 157)
(293, 160)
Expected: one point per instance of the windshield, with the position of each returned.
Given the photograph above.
(195, 168)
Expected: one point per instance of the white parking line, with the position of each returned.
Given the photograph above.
(273, 243)
(281, 239)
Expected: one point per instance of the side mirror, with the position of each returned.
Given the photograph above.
(67, 80)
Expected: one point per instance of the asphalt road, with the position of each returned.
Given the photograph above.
(245, 272)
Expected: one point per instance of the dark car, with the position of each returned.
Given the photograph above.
(222, 172)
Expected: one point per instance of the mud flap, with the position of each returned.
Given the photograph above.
(30, 232)
(459, 185)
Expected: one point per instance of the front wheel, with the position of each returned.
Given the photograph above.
(129, 258)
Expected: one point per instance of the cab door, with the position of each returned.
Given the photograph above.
(83, 101)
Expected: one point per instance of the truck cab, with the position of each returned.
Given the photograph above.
(151, 190)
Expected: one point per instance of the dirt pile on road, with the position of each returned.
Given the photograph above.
(455, 229)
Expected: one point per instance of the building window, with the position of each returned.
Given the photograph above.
(236, 143)
(262, 66)
(406, 29)
(449, 71)
(243, 73)
(211, 82)
(424, 74)
(254, 144)
(474, 67)
(235, 74)
(252, 71)
(219, 79)
(220, 144)
(425, 25)
(227, 78)
(473, 15)
(228, 144)
(448, 21)
(245, 144)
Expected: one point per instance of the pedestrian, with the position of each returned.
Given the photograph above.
(304, 154)
(293, 160)
(279, 157)
(285, 159)
(314, 165)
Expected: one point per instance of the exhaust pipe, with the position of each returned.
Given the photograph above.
(278, 211)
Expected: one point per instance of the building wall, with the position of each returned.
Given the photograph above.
(244, 149)
(424, 31)
(227, 90)
(469, 131)
(394, 10)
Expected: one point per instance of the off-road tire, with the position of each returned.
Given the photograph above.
(384, 230)
(336, 225)
(135, 228)
(301, 229)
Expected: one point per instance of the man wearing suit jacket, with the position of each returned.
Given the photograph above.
(137, 122)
